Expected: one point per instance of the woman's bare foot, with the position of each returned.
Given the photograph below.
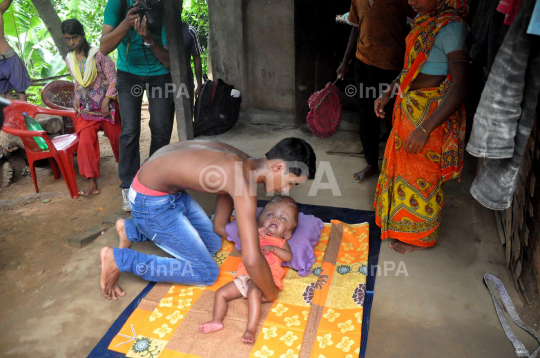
(109, 275)
(210, 327)
(92, 188)
(248, 337)
(366, 173)
(403, 248)
(124, 242)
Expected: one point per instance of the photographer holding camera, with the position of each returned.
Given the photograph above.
(137, 29)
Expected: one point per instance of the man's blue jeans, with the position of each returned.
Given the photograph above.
(180, 227)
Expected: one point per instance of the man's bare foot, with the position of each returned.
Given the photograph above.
(210, 327)
(124, 242)
(92, 188)
(403, 248)
(109, 275)
(366, 173)
(248, 337)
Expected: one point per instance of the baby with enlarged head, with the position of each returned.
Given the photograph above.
(276, 225)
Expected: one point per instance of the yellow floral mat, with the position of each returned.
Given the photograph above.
(319, 315)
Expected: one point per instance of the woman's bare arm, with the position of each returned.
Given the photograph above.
(457, 63)
(455, 96)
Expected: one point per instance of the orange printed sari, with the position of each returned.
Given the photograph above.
(409, 195)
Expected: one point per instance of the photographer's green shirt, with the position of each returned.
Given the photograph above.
(134, 61)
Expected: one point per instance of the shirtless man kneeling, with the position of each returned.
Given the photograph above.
(163, 212)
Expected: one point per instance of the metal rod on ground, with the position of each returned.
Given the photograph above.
(178, 65)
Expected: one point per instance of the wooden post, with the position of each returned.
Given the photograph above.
(175, 41)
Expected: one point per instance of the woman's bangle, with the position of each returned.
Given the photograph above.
(425, 131)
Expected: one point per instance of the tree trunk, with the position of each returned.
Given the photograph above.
(175, 41)
(52, 22)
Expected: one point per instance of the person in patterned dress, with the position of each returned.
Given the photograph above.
(95, 101)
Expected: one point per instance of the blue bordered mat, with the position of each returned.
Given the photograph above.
(326, 214)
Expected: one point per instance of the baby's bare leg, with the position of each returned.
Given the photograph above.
(254, 296)
(224, 294)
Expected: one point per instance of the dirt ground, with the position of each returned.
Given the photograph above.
(30, 254)
(32, 259)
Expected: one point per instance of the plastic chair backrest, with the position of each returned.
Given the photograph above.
(14, 118)
(58, 94)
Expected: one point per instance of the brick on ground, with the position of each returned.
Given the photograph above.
(86, 237)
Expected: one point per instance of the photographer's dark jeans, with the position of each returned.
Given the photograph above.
(130, 89)
(367, 78)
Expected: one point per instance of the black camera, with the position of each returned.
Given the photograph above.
(149, 8)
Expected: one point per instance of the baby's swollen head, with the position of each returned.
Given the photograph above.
(279, 217)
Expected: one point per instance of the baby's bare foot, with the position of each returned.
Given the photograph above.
(248, 337)
(210, 327)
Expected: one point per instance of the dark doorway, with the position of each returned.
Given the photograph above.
(320, 43)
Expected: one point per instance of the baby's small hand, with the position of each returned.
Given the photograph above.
(268, 248)
(262, 231)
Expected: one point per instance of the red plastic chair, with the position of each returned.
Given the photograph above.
(59, 95)
(61, 148)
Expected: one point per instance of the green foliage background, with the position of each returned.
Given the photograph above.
(28, 36)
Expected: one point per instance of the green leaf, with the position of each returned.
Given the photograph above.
(56, 66)
(45, 200)
(31, 34)
(40, 52)
(73, 5)
(14, 22)
(43, 34)
(18, 20)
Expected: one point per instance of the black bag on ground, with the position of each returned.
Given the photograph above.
(216, 110)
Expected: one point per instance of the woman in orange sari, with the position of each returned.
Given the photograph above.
(426, 145)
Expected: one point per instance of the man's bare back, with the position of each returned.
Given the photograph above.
(179, 166)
